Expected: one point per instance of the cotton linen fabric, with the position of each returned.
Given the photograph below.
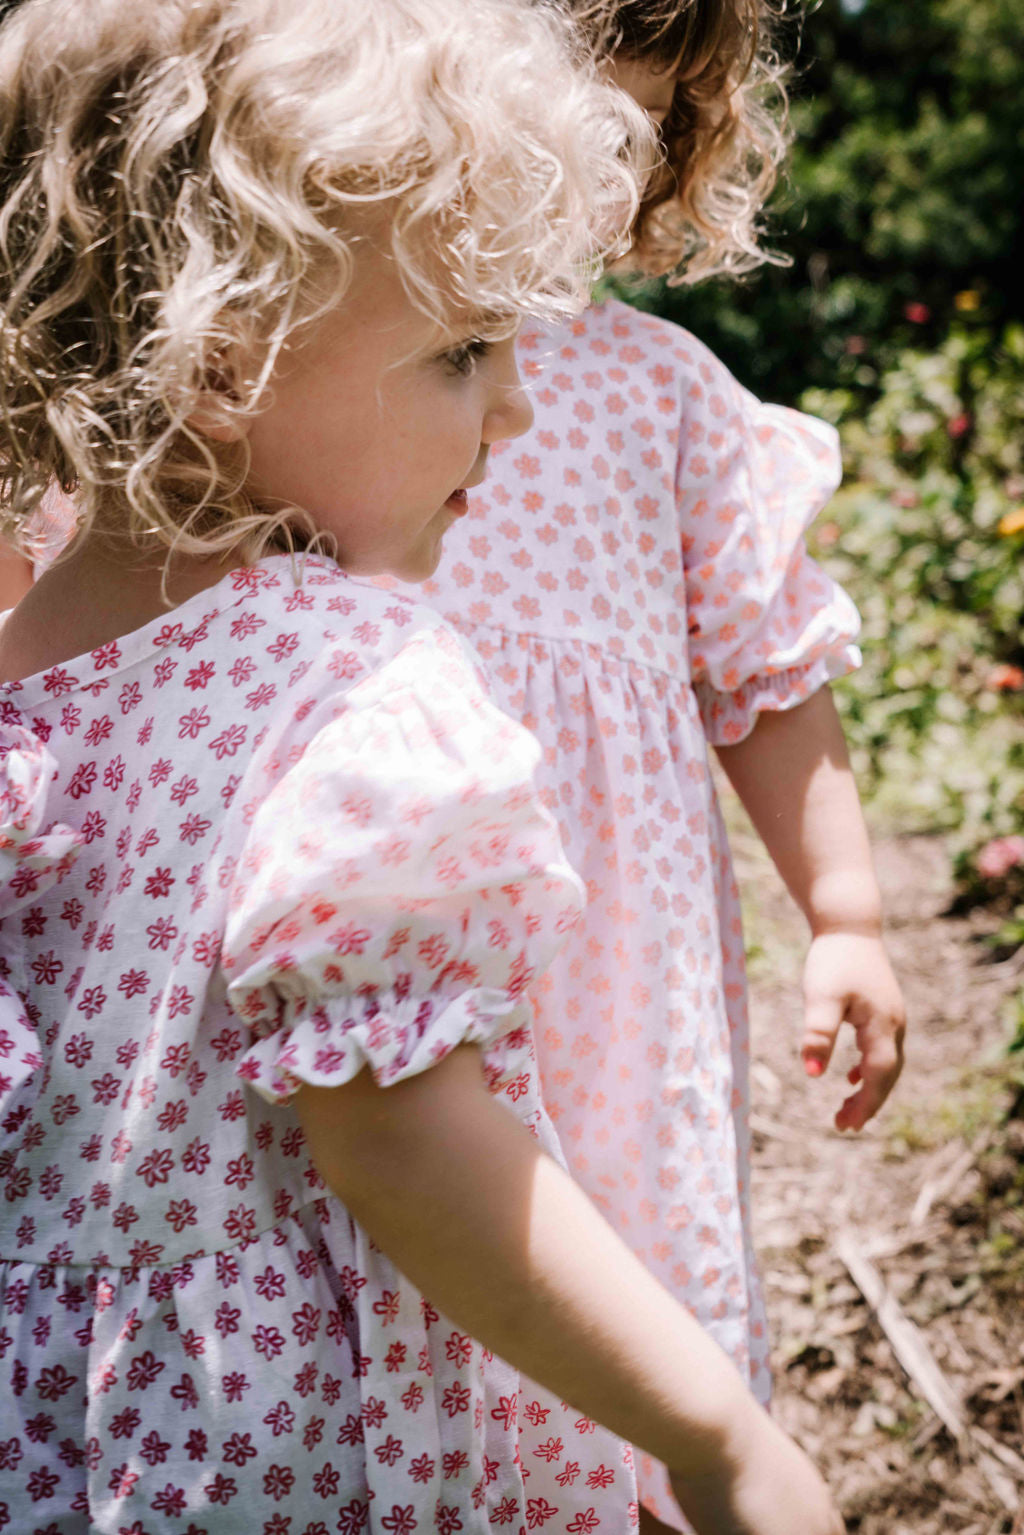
(634, 576)
(289, 839)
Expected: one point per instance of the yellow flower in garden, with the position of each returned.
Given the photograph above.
(967, 300)
(1012, 522)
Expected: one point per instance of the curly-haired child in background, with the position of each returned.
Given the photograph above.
(273, 872)
(634, 576)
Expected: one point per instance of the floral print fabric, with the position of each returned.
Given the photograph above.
(293, 839)
(634, 576)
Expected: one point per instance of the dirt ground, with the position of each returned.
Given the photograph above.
(926, 1205)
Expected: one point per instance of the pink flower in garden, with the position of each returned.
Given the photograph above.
(999, 856)
(916, 313)
(1005, 679)
(956, 426)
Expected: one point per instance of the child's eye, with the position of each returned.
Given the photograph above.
(463, 358)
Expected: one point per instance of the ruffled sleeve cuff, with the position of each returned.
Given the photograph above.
(728, 718)
(396, 1036)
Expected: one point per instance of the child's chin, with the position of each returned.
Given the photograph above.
(421, 563)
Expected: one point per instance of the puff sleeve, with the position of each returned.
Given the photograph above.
(34, 855)
(767, 626)
(400, 886)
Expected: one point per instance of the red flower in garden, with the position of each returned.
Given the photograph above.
(1005, 679)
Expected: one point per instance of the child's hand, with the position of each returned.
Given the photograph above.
(772, 1489)
(848, 977)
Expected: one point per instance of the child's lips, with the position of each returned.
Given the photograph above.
(458, 502)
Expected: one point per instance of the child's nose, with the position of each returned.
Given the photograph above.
(516, 412)
(511, 411)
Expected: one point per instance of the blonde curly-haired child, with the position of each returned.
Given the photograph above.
(273, 872)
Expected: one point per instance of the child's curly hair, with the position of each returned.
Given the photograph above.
(724, 138)
(183, 182)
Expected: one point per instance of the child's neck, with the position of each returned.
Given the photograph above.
(97, 593)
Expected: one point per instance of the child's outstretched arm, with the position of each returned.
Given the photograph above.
(793, 775)
(458, 1194)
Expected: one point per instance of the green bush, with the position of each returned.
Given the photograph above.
(903, 192)
(928, 536)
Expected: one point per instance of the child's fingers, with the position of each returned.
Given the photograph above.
(877, 1072)
(822, 1018)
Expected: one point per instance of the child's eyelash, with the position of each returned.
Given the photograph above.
(464, 357)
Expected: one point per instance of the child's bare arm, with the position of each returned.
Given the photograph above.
(464, 1202)
(793, 775)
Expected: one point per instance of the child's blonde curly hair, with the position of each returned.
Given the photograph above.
(724, 138)
(183, 182)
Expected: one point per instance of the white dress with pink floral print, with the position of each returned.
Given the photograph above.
(275, 838)
(634, 576)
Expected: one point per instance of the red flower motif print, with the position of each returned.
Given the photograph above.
(59, 681)
(200, 675)
(153, 1449)
(192, 723)
(281, 1419)
(180, 1214)
(156, 1167)
(54, 1383)
(278, 1482)
(170, 1501)
(124, 1424)
(239, 1449)
(387, 1307)
(351, 1431)
(326, 1481)
(453, 1463)
(306, 1324)
(456, 1399)
(353, 1518)
(159, 883)
(221, 1489)
(144, 1370)
(401, 1520)
(458, 1349)
(269, 1341)
(229, 742)
(603, 1476)
(538, 1513)
(390, 1451)
(123, 1482)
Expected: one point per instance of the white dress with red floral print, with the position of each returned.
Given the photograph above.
(275, 838)
(634, 576)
